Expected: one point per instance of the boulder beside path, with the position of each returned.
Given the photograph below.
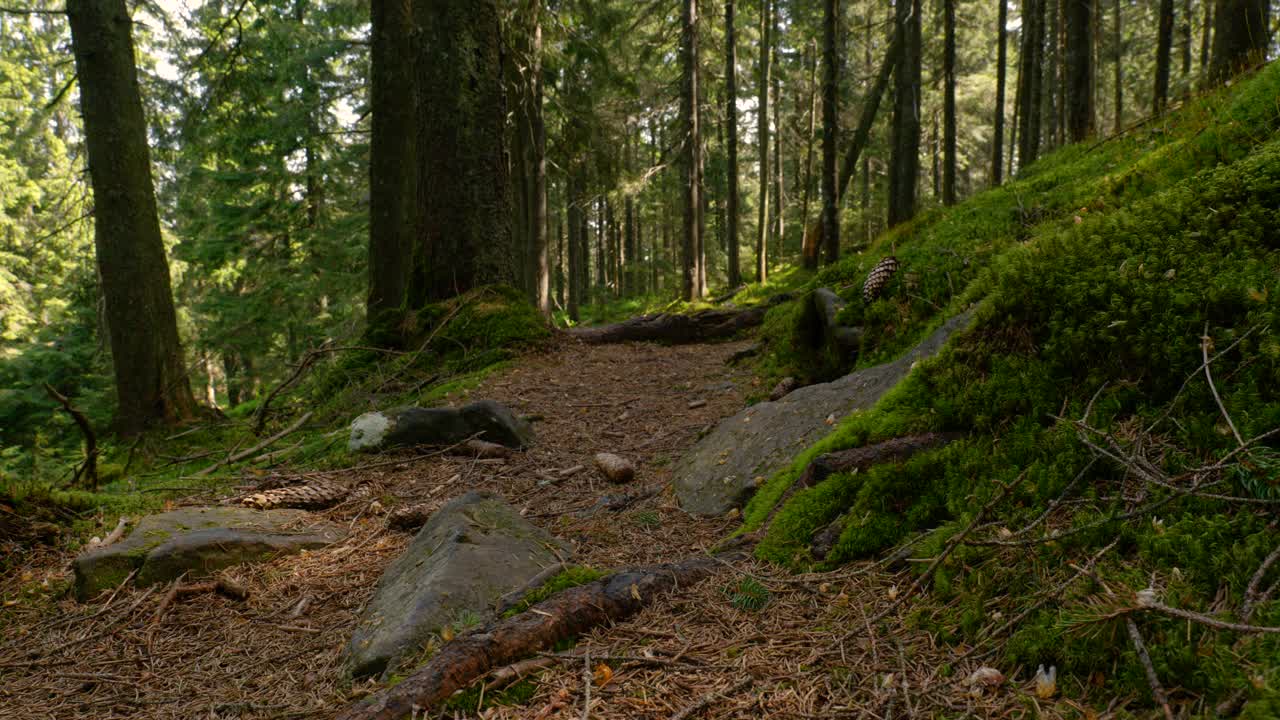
(198, 542)
(484, 420)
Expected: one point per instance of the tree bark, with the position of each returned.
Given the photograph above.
(151, 379)
(465, 238)
(1079, 69)
(997, 147)
(1184, 40)
(1028, 128)
(779, 202)
(1118, 48)
(692, 151)
(762, 133)
(542, 265)
(567, 614)
(1240, 35)
(673, 328)
(810, 259)
(905, 153)
(1164, 54)
(949, 104)
(830, 134)
(731, 140)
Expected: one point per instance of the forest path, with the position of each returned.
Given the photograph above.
(278, 655)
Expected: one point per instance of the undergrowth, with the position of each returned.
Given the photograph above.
(1097, 276)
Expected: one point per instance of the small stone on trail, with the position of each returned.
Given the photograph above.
(784, 386)
(697, 404)
(615, 469)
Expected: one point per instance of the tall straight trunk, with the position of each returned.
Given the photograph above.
(731, 140)
(631, 259)
(1240, 36)
(949, 103)
(560, 261)
(1184, 41)
(542, 267)
(465, 238)
(602, 277)
(577, 225)
(1028, 127)
(1206, 37)
(1080, 113)
(779, 202)
(997, 146)
(1117, 42)
(151, 379)
(905, 154)
(393, 176)
(762, 131)
(1164, 55)
(810, 259)
(1053, 75)
(830, 133)
(692, 139)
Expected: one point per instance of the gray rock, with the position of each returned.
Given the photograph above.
(199, 541)
(471, 552)
(485, 419)
(723, 470)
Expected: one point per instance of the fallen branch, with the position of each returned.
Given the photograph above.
(256, 448)
(1157, 690)
(260, 415)
(673, 328)
(114, 535)
(1252, 598)
(89, 468)
(572, 612)
(705, 701)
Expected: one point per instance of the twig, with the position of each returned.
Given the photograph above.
(1208, 375)
(1148, 601)
(260, 415)
(115, 534)
(246, 453)
(90, 466)
(586, 681)
(705, 701)
(1157, 690)
(951, 545)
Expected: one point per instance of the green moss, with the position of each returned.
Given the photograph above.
(571, 576)
(1101, 265)
(473, 699)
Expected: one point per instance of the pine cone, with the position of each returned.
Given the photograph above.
(411, 517)
(879, 276)
(314, 496)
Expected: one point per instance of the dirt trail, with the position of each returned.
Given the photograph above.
(210, 657)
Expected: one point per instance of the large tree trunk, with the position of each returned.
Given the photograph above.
(393, 175)
(151, 379)
(1079, 69)
(692, 151)
(830, 134)
(1028, 129)
(731, 140)
(997, 146)
(673, 328)
(465, 238)
(1184, 41)
(949, 104)
(1164, 54)
(762, 133)
(1240, 34)
(905, 154)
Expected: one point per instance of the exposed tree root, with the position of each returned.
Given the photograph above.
(569, 613)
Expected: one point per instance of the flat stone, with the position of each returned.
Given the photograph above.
(486, 420)
(199, 541)
(721, 472)
(474, 550)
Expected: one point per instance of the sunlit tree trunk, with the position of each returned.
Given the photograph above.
(151, 378)
(997, 144)
(692, 151)
(731, 140)
(762, 133)
(949, 103)
(830, 133)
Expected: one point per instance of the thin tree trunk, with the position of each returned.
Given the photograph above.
(1206, 36)
(151, 379)
(1184, 34)
(810, 259)
(1053, 76)
(949, 104)
(905, 153)
(1028, 112)
(830, 134)
(540, 251)
(779, 209)
(1118, 47)
(997, 146)
(692, 139)
(731, 121)
(1080, 114)
(1164, 53)
(762, 130)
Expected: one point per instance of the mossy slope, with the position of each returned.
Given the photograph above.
(1097, 272)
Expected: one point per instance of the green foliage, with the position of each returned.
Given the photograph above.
(1101, 267)
(571, 576)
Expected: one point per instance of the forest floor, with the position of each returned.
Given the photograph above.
(754, 641)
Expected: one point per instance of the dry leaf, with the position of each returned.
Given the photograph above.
(603, 675)
(446, 633)
(635, 592)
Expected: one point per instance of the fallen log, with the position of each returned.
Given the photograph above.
(828, 464)
(673, 327)
(572, 612)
